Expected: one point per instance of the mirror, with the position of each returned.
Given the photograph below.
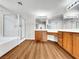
(41, 23)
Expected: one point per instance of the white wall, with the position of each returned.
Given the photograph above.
(30, 26)
(1, 25)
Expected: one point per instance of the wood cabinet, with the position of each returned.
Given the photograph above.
(60, 37)
(38, 35)
(41, 35)
(70, 42)
(67, 41)
(76, 45)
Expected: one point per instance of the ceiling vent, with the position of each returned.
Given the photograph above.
(20, 3)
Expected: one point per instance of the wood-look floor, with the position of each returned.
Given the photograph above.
(37, 50)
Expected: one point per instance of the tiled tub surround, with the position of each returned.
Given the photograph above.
(8, 43)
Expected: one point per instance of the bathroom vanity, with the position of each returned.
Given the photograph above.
(41, 35)
(44, 35)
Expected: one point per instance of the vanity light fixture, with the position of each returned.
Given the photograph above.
(73, 4)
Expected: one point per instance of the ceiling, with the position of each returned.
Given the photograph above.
(32, 7)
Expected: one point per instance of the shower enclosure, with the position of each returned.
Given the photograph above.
(12, 32)
(13, 26)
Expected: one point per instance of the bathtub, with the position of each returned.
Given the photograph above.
(8, 43)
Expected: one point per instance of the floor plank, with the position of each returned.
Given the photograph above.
(30, 49)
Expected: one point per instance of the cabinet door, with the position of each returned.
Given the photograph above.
(60, 38)
(44, 36)
(67, 41)
(76, 45)
(38, 35)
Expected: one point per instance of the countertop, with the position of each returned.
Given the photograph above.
(56, 30)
